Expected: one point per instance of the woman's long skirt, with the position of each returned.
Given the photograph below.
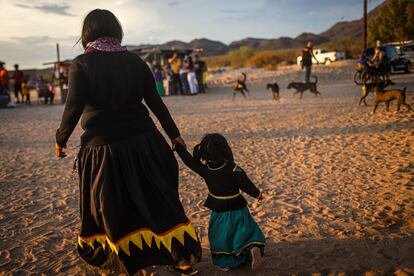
(131, 214)
(231, 235)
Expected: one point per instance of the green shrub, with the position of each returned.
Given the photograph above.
(239, 57)
(264, 59)
(247, 57)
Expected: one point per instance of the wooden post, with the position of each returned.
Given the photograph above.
(58, 52)
(365, 24)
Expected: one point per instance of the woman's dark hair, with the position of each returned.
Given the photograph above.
(100, 23)
(214, 149)
(191, 64)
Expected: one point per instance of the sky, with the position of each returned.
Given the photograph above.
(30, 29)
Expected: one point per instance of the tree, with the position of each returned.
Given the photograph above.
(394, 22)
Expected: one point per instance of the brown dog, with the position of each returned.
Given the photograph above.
(275, 90)
(369, 87)
(386, 96)
(302, 87)
(240, 86)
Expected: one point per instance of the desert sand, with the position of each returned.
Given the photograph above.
(338, 182)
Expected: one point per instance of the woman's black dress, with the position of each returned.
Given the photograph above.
(130, 209)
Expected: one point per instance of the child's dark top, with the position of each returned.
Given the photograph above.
(223, 184)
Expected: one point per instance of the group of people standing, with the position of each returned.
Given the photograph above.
(180, 75)
(21, 92)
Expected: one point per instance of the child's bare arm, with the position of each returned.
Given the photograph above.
(189, 160)
(245, 184)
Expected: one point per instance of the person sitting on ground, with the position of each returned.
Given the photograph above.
(234, 236)
(45, 90)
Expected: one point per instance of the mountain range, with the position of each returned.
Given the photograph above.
(352, 29)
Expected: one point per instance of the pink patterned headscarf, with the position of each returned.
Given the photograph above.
(105, 44)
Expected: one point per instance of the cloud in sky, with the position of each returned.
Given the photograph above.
(173, 3)
(60, 9)
(45, 22)
(32, 52)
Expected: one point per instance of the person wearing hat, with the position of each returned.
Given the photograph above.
(307, 55)
(18, 79)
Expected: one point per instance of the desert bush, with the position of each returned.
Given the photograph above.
(247, 57)
(351, 47)
(214, 62)
(264, 59)
(239, 57)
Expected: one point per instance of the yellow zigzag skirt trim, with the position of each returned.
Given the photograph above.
(139, 235)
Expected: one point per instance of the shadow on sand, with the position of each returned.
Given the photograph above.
(330, 256)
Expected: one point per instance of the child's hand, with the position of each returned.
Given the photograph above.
(59, 151)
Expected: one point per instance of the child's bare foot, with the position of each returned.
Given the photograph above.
(256, 258)
(183, 270)
(225, 269)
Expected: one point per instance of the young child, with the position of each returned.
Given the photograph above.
(234, 236)
(25, 92)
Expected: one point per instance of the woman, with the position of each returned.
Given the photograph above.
(191, 75)
(131, 214)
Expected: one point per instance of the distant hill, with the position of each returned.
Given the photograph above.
(210, 47)
(352, 29)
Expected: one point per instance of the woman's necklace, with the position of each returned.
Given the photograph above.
(215, 169)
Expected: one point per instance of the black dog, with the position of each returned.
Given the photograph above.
(302, 87)
(240, 86)
(386, 96)
(275, 90)
(369, 87)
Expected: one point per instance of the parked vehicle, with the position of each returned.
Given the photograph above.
(407, 52)
(324, 56)
(396, 60)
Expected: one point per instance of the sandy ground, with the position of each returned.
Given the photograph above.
(338, 181)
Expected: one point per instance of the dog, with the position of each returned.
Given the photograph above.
(302, 87)
(386, 96)
(240, 86)
(275, 90)
(369, 87)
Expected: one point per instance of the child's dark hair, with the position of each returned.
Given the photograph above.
(213, 149)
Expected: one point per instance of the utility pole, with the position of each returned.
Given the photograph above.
(365, 24)
(58, 52)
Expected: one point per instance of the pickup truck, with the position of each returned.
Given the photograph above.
(324, 56)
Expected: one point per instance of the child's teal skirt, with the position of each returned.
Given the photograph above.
(231, 235)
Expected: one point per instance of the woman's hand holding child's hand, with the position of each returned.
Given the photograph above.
(179, 140)
(59, 151)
